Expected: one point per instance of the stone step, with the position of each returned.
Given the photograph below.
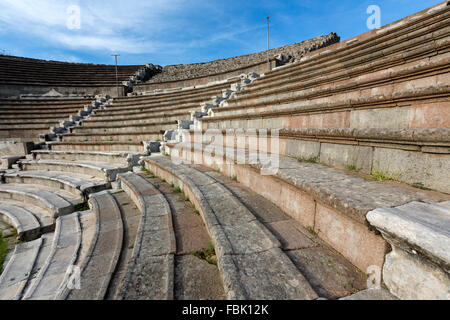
(169, 99)
(329, 273)
(80, 186)
(32, 126)
(112, 114)
(27, 225)
(35, 115)
(23, 133)
(46, 222)
(17, 272)
(30, 122)
(117, 157)
(179, 91)
(53, 201)
(131, 217)
(428, 67)
(101, 244)
(152, 258)
(418, 267)
(20, 112)
(135, 147)
(387, 40)
(112, 137)
(54, 275)
(134, 128)
(332, 202)
(196, 275)
(415, 156)
(99, 170)
(273, 275)
(134, 108)
(142, 119)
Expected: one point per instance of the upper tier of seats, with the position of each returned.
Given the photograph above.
(124, 123)
(26, 119)
(17, 70)
(196, 70)
(185, 75)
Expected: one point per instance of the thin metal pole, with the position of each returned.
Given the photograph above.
(117, 77)
(268, 59)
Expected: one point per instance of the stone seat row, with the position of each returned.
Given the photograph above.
(382, 47)
(419, 157)
(332, 202)
(89, 240)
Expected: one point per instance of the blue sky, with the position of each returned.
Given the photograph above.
(179, 31)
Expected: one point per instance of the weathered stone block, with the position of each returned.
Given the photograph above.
(431, 170)
(342, 156)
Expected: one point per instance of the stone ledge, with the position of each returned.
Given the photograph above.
(419, 228)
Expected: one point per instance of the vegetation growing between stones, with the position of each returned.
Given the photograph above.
(311, 230)
(309, 160)
(178, 190)
(384, 176)
(3, 251)
(207, 254)
(351, 167)
(147, 172)
(82, 206)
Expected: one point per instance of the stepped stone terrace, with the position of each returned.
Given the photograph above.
(325, 177)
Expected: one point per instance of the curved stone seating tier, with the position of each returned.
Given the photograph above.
(404, 35)
(409, 102)
(142, 118)
(101, 244)
(110, 146)
(47, 101)
(149, 106)
(118, 158)
(167, 98)
(79, 185)
(31, 133)
(154, 245)
(23, 70)
(97, 170)
(50, 110)
(27, 225)
(54, 202)
(29, 118)
(141, 127)
(145, 112)
(16, 207)
(136, 137)
(181, 91)
(17, 116)
(332, 202)
(273, 276)
(17, 272)
(416, 156)
(13, 123)
(52, 278)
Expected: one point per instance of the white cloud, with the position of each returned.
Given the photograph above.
(169, 29)
(105, 25)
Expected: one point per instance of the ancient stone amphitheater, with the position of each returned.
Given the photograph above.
(327, 176)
